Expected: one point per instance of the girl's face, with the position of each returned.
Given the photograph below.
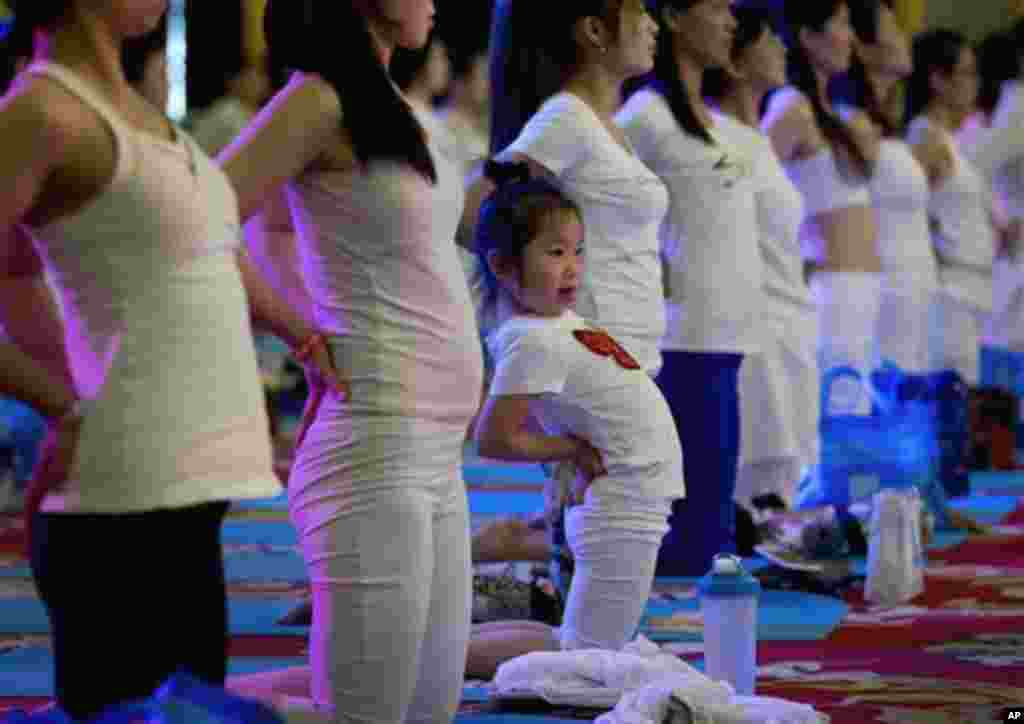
(634, 50)
(705, 32)
(831, 49)
(890, 53)
(959, 89)
(763, 64)
(409, 21)
(549, 277)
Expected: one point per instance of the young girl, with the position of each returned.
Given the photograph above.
(709, 244)
(557, 72)
(595, 402)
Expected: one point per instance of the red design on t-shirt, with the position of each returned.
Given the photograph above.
(600, 343)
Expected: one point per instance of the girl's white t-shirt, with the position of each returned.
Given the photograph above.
(710, 237)
(622, 204)
(591, 395)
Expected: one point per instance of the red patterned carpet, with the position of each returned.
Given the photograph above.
(954, 655)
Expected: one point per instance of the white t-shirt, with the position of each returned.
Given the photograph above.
(623, 204)
(710, 236)
(619, 411)
(780, 214)
(964, 236)
(998, 150)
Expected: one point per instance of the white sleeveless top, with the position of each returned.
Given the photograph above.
(623, 204)
(157, 330)
(710, 236)
(823, 183)
(964, 236)
(900, 194)
(380, 261)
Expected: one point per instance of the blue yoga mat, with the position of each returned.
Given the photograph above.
(511, 719)
(29, 672)
(782, 615)
(991, 509)
(263, 532)
(277, 565)
(1004, 483)
(481, 501)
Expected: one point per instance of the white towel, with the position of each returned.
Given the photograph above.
(689, 702)
(593, 677)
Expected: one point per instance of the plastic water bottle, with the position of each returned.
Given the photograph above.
(728, 602)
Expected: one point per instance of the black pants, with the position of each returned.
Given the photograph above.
(132, 599)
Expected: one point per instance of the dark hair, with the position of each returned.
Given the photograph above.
(332, 39)
(465, 28)
(936, 50)
(532, 56)
(800, 15)
(513, 215)
(407, 63)
(135, 52)
(998, 61)
(854, 88)
(29, 16)
(665, 77)
(751, 24)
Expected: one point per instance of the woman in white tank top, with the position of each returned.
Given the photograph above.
(376, 491)
(830, 162)
(162, 422)
(899, 189)
(941, 94)
(778, 384)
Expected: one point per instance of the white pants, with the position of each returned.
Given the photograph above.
(955, 337)
(778, 391)
(904, 323)
(848, 306)
(615, 542)
(1006, 326)
(381, 513)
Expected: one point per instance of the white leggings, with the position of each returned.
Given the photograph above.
(615, 542)
(382, 517)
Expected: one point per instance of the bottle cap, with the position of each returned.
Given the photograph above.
(728, 578)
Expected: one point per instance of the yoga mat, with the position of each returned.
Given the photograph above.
(989, 509)
(480, 501)
(29, 671)
(503, 718)
(673, 614)
(997, 483)
(263, 532)
(259, 617)
(263, 563)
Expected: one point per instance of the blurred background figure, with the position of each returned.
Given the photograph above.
(144, 60)
(218, 125)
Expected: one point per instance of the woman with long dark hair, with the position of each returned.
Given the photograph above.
(941, 94)
(995, 144)
(713, 267)
(899, 187)
(830, 161)
(376, 490)
(160, 421)
(778, 385)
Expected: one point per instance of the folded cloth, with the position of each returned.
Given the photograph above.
(686, 701)
(596, 678)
